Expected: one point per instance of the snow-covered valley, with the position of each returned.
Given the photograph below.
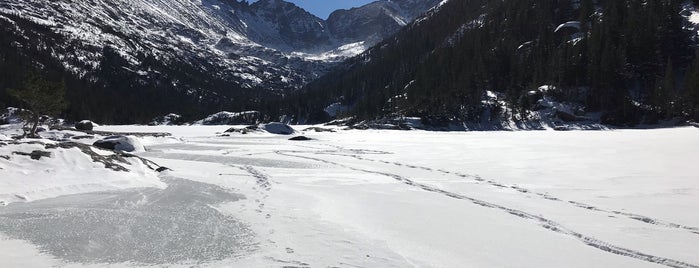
(350, 198)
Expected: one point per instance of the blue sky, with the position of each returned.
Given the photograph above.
(323, 8)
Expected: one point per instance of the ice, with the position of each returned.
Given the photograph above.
(143, 226)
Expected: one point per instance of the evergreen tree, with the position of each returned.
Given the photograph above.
(40, 97)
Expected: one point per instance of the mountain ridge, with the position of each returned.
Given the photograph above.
(238, 53)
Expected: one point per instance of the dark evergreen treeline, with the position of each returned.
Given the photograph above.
(632, 60)
(114, 93)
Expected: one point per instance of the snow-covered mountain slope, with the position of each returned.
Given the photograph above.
(287, 27)
(251, 41)
(209, 30)
(196, 53)
(373, 21)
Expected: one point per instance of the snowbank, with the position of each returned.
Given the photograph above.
(64, 171)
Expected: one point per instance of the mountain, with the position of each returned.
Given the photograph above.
(521, 64)
(377, 20)
(186, 56)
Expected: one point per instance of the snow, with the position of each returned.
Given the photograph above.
(694, 17)
(378, 198)
(570, 24)
(67, 171)
(88, 122)
(337, 54)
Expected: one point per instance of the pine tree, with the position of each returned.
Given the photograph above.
(691, 90)
(40, 97)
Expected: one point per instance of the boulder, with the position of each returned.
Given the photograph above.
(162, 169)
(120, 143)
(300, 138)
(278, 128)
(85, 125)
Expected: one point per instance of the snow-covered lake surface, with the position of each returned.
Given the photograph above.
(624, 198)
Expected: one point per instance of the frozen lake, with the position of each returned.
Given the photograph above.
(626, 198)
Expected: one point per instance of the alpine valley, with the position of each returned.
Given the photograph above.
(400, 133)
(127, 61)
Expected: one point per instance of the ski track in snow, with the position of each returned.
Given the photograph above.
(540, 220)
(356, 153)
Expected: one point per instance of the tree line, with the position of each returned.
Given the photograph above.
(634, 61)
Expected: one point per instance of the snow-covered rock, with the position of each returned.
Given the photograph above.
(278, 128)
(121, 143)
(85, 125)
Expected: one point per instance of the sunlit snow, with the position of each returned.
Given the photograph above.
(623, 198)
